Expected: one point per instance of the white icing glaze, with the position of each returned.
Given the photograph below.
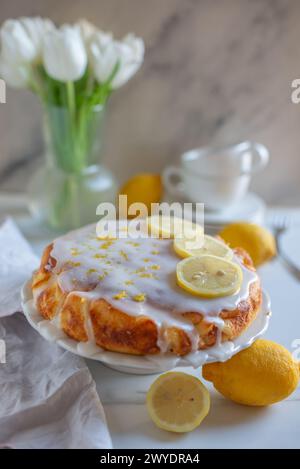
(124, 270)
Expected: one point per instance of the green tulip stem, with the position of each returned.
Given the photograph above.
(71, 98)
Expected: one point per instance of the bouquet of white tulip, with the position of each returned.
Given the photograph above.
(73, 69)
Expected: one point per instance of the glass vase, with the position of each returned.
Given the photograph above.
(65, 192)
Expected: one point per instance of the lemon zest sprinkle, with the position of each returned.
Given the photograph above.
(74, 264)
(141, 297)
(120, 295)
(100, 256)
(141, 269)
(75, 252)
(106, 245)
(129, 282)
(146, 275)
(91, 271)
(133, 243)
(124, 255)
(102, 276)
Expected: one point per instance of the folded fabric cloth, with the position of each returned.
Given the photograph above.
(17, 261)
(48, 396)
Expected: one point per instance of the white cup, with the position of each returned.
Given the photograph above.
(219, 177)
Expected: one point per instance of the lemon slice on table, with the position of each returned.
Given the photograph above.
(178, 402)
(210, 245)
(209, 276)
(169, 227)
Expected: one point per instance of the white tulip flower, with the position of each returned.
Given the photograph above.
(16, 45)
(136, 44)
(64, 54)
(122, 57)
(14, 75)
(36, 29)
(87, 30)
(21, 39)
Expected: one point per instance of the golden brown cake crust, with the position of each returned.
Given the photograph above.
(117, 331)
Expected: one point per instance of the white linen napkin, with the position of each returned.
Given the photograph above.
(17, 261)
(48, 396)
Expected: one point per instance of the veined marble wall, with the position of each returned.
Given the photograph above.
(215, 71)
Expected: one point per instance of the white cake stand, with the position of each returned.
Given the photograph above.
(148, 364)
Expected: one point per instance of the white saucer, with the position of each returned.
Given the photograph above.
(251, 208)
(148, 364)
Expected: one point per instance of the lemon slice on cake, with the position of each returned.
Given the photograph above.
(178, 402)
(169, 227)
(209, 276)
(210, 245)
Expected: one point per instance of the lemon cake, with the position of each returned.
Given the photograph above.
(147, 295)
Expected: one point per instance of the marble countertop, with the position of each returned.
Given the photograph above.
(214, 72)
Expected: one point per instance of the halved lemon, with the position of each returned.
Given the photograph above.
(178, 402)
(209, 276)
(168, 227)
(210, 245)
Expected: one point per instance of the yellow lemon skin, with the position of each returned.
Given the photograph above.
(145, 188)
(260, 375)
(256, 240)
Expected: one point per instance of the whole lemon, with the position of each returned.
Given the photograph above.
(260, 375)
(256, 240)
(145, 188)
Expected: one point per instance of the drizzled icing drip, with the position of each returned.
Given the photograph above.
(138, 277)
